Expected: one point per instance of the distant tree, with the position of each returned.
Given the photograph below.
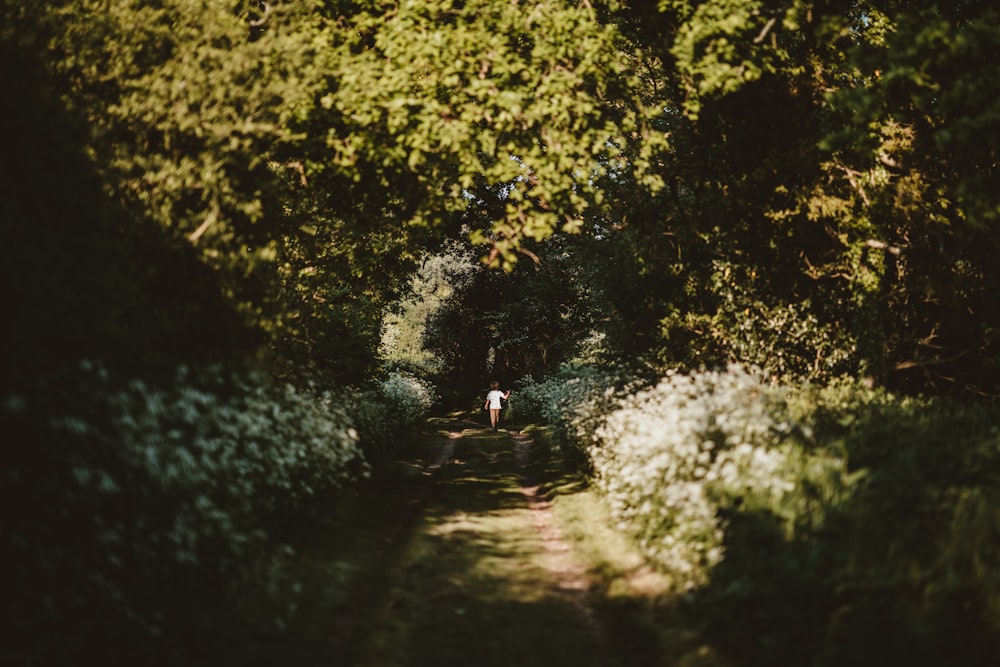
(508, 325)
(438, 278)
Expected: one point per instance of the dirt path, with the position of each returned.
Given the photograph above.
(569, 576)
(479, 548)
(486, 577)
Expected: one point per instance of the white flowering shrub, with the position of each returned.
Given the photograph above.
(574, 402)
(800, 517)
(138, 502)
(386, 414)
(671, 456)
(410, 398)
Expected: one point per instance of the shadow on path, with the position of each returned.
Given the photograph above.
(485, 577)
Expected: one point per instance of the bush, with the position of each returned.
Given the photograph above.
(821, 525)
(410, 397)
(574, 402)
(132, 508)
(672, 458)
(386, 413)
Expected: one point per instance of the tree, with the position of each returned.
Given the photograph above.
(436, 281)
(817, 223)
(87, 276)
(508, 325)
(443, 101)
(808, 186)
(918, 144)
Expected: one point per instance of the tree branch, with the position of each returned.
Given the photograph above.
(882, 245)
(259, 23)
(766, 29)
(914, 363)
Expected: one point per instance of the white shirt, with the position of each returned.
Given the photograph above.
(494, 399)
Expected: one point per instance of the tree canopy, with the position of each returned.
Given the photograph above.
(808, 186)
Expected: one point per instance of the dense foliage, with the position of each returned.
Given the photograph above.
(811, 222)
(808, 188)
(813, 203)
(811, 525)
(114, 487)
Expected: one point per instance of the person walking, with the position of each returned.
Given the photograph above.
(493, 403)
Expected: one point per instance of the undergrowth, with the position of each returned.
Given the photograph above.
(137, 514)
(804, 525)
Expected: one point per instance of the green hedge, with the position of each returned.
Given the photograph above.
(132, 510)
(386, 414)
(807, 525)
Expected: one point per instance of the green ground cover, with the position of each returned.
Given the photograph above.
(473, 547)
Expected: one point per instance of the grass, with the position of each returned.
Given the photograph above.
(472, 583)
(480, 578)
(636, 606)
(464, 566)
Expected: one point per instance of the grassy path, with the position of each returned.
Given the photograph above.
(485, 577)
(477, 548)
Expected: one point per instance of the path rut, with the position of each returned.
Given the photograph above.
(487, 576)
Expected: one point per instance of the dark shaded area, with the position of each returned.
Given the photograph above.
(507, 325)
(890, 573)
(81, 276)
